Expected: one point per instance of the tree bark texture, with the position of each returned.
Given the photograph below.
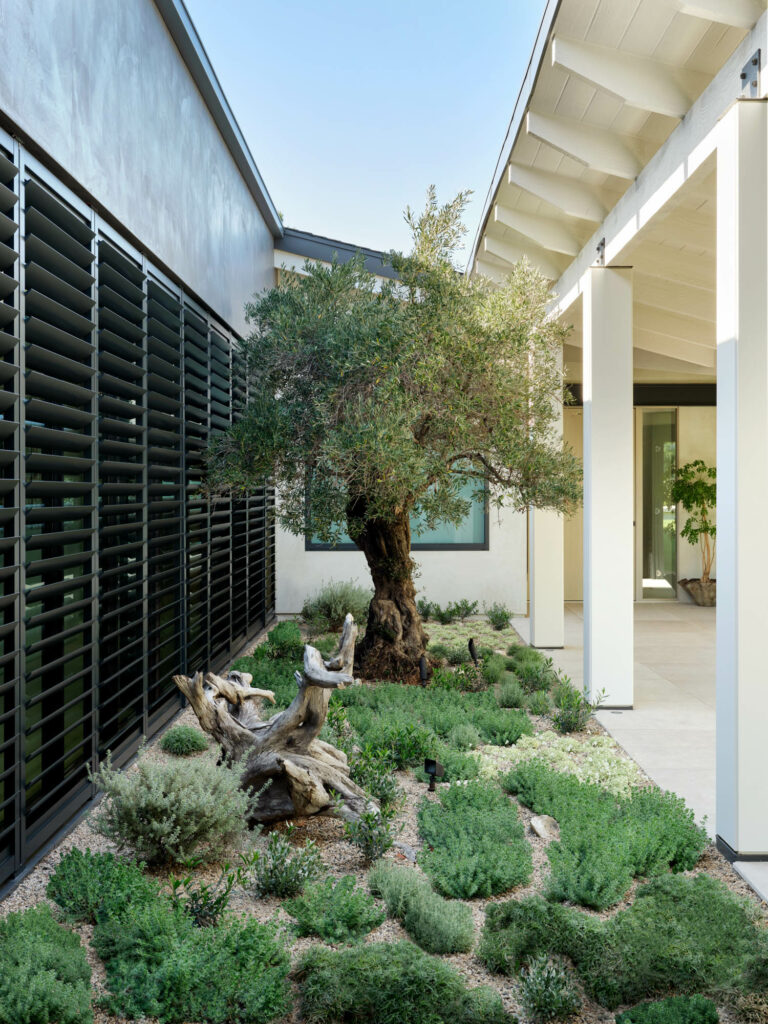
(305, 775)
(394, 638)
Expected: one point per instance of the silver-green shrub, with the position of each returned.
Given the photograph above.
(173, 811)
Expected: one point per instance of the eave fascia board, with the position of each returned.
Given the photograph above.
(190, 46)
(517, 121)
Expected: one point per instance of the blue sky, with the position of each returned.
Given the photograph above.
(351, 109)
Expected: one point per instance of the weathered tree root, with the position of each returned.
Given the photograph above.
(306, 775)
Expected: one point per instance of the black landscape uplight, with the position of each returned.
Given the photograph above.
(423, 670)
(472, 650)
(434, 770)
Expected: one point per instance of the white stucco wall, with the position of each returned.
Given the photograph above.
(499, 574)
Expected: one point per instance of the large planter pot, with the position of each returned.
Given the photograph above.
(704, 593)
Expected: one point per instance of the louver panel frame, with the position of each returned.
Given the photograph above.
(115, 569)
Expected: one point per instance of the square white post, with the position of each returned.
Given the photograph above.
(608, 485)
(546, 571)
(742, 479)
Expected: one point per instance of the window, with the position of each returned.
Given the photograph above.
(470, 535)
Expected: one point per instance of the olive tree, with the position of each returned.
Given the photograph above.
(371, 404)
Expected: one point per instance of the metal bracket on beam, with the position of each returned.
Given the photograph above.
(601, 253)
(750, 77)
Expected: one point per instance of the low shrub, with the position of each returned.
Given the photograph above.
(373, 769)
(534, 676)
(538, 703)
(44, 973)
(511, 694)
(204, 902)
(326, 610)
(494, 668)
(454, 654)
(502, 727)
(475, 842)
(547, 991)
(464, 609)
(280, 869)
(387, 983)
(459, 765)
(606, 841)
(498, 615)
(175, 811)
(160, 965)
(464, 737)
(285, 641)
(336, 911)
(437, 925)
(445, 616)
(89, 885)
(425, 609)
(184, 740)
(406, 741)
(372, 833)
(686, 934)
(573, 709)
(676, 1010)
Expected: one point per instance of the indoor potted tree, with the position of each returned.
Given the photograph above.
(695, 488)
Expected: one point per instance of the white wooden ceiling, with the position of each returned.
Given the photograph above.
(613, 83)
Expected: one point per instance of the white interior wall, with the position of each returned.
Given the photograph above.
(499, 574)
(697, 439)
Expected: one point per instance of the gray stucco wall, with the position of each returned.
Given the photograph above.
(101, 87)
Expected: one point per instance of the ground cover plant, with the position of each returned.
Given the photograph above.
(44, 973)
(338, 912)
(173, 811)
(435, 924)
(475, 843)
(675, 1010)
(389, 983)
(88, 885)
(184, 740)
(159, 964)
(606, 841)
(595, 759)
(684, 934)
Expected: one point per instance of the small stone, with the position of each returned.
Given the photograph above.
(407, 851)
(545, 827)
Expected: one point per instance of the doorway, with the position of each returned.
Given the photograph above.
(655, 513)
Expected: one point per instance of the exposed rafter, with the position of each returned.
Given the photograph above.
(513, 253)
(640, 82)
(737, 13)
(548, 233)
(566, 194)
(674, 325)
(675, 348)
(598, 149)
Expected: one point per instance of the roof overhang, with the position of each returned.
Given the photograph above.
(189, 45)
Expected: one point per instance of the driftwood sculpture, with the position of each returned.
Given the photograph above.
(306, 776)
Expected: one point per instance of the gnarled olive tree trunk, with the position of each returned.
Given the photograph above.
(305, 775)
(394, 638)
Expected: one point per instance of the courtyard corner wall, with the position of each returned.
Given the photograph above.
(498, 574)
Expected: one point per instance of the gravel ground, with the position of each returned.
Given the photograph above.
(342, 858)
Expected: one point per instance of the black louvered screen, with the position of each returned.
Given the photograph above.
(115, 571)
(10, 689)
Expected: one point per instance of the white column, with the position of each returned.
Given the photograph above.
(742, 479)
(546, 571)
(608, 485)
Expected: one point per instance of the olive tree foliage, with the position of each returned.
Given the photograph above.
(371, 402)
